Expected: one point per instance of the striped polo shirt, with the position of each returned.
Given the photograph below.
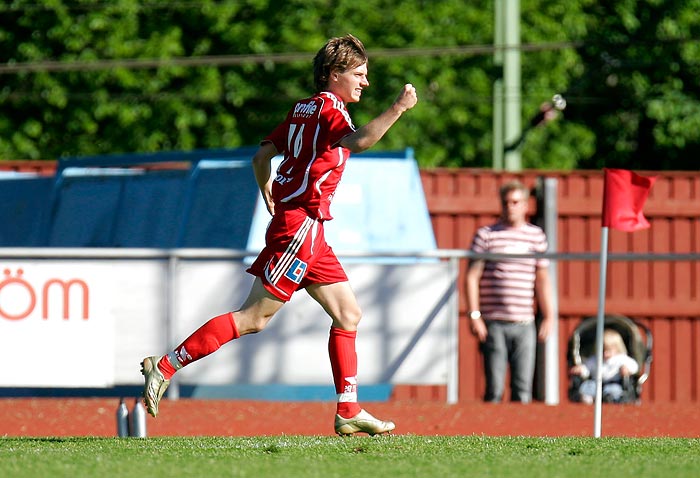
(507, 287)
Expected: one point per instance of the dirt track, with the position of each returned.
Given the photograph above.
(96, 417)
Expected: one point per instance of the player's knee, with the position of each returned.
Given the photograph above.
(350, 318)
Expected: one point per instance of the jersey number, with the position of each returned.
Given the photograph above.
(294, 144)
(296, 138)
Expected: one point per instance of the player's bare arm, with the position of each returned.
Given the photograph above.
(262, 169)
(368, 135)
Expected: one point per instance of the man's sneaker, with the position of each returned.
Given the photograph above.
(362, 422)
(155, 384)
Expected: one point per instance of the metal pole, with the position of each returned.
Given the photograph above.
(498, 143)
(173, 391)
(599, 333)
(499, 40)
(551, 351)
(453, 337)
(511, 74)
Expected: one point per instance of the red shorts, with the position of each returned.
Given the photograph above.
(296, 255)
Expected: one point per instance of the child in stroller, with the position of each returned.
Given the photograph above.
(617, 365)
(636, 341)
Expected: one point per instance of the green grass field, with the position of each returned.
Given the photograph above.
(360, 456)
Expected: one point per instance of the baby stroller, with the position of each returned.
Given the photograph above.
(638, 340)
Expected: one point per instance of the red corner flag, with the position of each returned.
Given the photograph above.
(624, 195)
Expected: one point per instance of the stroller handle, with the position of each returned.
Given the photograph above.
(577, 349)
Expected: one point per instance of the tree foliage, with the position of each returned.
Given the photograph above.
(629, 71)
(639, 83)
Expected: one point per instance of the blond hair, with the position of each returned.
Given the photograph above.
(613, 339)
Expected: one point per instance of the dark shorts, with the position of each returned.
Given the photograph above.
(295, 255)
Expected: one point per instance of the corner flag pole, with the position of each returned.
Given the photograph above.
(624, 194)
(599, 333)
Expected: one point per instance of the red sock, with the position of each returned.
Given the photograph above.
(205, 340)
(341, 349)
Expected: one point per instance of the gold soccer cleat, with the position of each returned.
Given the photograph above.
(363, 422)
(155, 384)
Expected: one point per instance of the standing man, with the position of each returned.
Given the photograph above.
(316, 139)
(501, 296)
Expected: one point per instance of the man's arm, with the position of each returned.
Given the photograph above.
(262, 169)
(368, 135)
(474, 271)
(543, 292)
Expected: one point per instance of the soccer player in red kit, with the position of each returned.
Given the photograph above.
(316, 140)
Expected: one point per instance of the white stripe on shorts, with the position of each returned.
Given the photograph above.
(294, 245)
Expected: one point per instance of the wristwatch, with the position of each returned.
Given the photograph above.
(475, 315)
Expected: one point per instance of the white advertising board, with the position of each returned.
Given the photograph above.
(403, 337)
(89, 322)
(56, 326)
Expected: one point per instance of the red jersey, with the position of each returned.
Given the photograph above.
(313, 161)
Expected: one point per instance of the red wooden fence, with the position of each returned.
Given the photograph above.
(663, 295)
